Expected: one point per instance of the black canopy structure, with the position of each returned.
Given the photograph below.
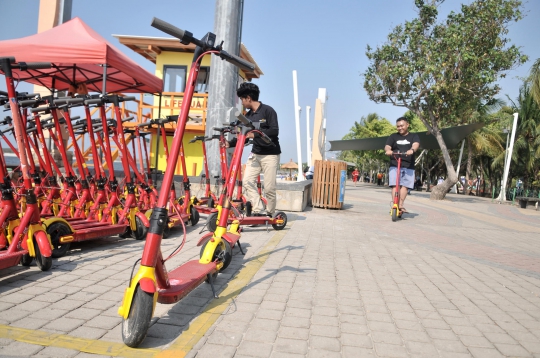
(452, 136)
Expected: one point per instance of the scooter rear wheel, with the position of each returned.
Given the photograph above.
(224, 252)
(249, 208)
(394, 214)
(284, 217)
(56, 231)
(135, 327)
(26, 260)
(211, 222)
(44, 263)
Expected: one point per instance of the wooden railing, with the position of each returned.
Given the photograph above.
(170, 105)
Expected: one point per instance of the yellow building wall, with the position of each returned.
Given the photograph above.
(193, 151)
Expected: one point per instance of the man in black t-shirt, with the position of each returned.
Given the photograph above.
(406, 143)
(263, 157)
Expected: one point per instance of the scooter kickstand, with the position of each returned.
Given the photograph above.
(240, 247)
(211, 280)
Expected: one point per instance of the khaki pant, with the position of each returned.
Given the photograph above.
(267, 164)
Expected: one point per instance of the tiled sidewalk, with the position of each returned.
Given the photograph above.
(456, 278)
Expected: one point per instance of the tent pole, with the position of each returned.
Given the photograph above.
(104, 91)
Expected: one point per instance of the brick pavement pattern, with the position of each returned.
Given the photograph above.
(456, 278)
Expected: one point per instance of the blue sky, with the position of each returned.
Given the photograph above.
(324, 41)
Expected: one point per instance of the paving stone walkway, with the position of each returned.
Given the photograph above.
(456, 278)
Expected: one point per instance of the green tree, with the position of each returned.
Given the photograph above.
(370, 126)
(440, 70)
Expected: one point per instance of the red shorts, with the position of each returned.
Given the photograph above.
(354, 179)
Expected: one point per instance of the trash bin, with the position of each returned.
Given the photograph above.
(328, 190)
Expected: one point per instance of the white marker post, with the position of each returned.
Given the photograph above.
(297, 110)
(502, 195)
(308, 152)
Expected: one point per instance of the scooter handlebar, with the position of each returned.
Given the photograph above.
(196, 138)
(93, 101)
(127, 98)
(243, 119)
(145, 124)
(168, 28)
(79, 126)
(39, 109)
(237, 61)
(28, 102)
(127, 119)
(69, 101)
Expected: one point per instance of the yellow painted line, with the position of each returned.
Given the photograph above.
(92, 346)
(509, 224)
(197, 329)
(200, 325)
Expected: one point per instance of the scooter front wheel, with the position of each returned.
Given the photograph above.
(44, 263)
(135, 327)
(193, 216)
(211, 222)
(394, 214)
(140, 230)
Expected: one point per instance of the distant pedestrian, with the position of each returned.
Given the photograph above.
(355, 175)
(379, 179)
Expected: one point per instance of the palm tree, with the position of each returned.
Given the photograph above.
(534, 79)
(486, 141)
(527, 143)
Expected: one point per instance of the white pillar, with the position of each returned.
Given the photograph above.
(308, 151)
(502, 196)
(297, 110)
(459, 164)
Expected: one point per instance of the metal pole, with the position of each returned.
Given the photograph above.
(509, 158)
(104, 90)
(223, 75)
(459, 164)
(297, 110)
(308, 152)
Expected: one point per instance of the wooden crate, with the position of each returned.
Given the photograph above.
(326, 180)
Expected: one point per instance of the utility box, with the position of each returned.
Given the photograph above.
(329, 179)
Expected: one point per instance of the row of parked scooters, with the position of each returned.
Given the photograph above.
(48, 208)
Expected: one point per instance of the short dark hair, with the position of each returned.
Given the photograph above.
(248, 89)
(402, 119)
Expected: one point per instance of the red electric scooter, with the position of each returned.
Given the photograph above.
(152, 282)
(30, 238)
(395, 212)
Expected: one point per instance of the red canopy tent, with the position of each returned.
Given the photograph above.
(79, 55)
